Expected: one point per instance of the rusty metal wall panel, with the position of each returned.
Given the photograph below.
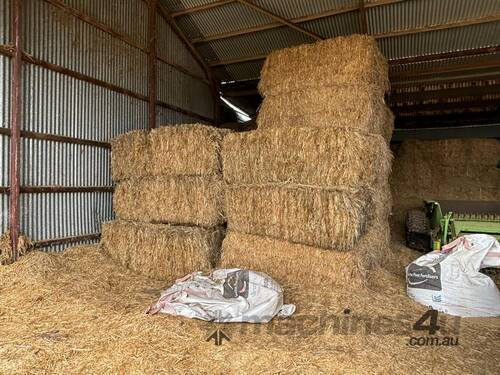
(184, 91)
(165, 117)
(60, 38)
(172, 49)
(58, 104)
(5, 29)
(61, 247)
(121, 15)
(5, 93)
(56, 215)
(48, 163)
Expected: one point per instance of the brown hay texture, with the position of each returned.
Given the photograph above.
(176, 200)
(290, 262)
(341, 106)
(191, 150)
(161, 251)
(353, 60)
(323, 157)
(130, 156)
(23, 246)
(447, 169)
(80, 312)
(326, 218)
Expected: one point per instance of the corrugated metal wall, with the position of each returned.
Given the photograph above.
(58, 104)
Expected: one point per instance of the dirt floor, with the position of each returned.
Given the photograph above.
(80, 312)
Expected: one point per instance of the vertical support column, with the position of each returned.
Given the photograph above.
(152, 63)
(15, 137)
(215, 96)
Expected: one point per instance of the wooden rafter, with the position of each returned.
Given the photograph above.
(279, 19)
(463, 23)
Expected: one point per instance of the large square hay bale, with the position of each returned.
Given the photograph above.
(192, 150)
(342, 106)
(188, 150)
(310, 156)
(130, 155)
(175, 200)
(326, 218)
(161, 251)
(293, 263)
(348, 60)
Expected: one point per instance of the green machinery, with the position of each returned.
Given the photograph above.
(443, 221)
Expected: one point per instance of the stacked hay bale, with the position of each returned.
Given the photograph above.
(307, 193)
(168, 200)
(454, 169)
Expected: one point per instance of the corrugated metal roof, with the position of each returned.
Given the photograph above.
(338, 25)
(242, 71)
(419, 13)
(253, 44)
(231, 17)
(299, 8)
(176, 5)
(456, 39)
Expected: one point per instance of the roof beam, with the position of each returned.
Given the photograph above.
(463, 23)
(201, 8)
(280, 19)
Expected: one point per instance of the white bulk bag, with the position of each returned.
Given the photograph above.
(450, 281)
(227, 295)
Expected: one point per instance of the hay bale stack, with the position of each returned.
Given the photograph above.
(310, 156)
(190, 200)
(307, 192)
(326, 218)
(161, 251)
(342, 60)
(447, 169)
(295, 263)
(181, 150)
(170, 211)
